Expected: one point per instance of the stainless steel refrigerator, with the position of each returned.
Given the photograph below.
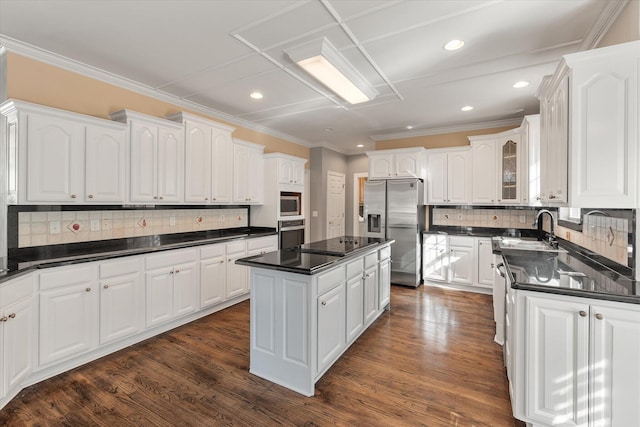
(394, 209)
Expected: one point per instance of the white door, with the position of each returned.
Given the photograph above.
(121, 307)
(197, 163)
(615, 367)
(104, 165)
(335, 204)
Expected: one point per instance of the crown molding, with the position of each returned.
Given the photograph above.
(448, 129)
(611, 11)
(8, 44)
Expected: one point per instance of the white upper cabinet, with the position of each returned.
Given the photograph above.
(157, 158)
(58, 157)
(248, 173)
(290, 170)
(483, 151)
(399, 163)
(530, 139)
(449, 176)
(208, 159)
(592, 103)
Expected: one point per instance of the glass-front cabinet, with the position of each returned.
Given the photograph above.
(509, 171)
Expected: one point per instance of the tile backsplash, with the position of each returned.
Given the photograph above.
(59, 227)
(491, 218)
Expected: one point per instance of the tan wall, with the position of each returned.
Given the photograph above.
(34, 81)
(626, 27)
(446, 140)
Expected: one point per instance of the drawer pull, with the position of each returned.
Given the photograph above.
(583, 313)
(12, 316)
(88, 289)
(73, 196)
(3, 319)
(106, 286)
(91, 196)
(323, 303)
(598, 316)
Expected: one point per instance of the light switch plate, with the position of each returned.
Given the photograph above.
(54, 227)
(314, 213)
(172, 221)
(95, 225)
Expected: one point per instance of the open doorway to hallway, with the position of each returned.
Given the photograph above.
(358, 202)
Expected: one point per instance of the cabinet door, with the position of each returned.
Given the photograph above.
(461, 264)
(285, 171)
(298, 172)
(159, 291)
(104, 169)
(240, 174)
(437, 178)
(144, 162)
(615, 379)
(255, 188)
(370, 294)
(556, 365)
(508, 169)
(121, 307)
(54, 160)
(16, 344)
(604, 133)
(459, 177)
(222, 166)
(237, 277)
(554, 182)
(355, 307)
(170, 165)
(384, 283)
(185, 288)
(435, 258)
(197, 185)
(484, 177)
(331, 326)
(68, 321)
(213, 277)
(408, 165)
(485, 263)
(380, 166)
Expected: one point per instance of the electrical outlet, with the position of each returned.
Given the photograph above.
(95, 225)
(172, 221)
(314, 213)
(522, 219)
(54, 227)
(459, 217)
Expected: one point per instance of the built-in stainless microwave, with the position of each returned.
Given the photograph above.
(290, 203)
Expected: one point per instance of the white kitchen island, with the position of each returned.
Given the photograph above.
(307, 308)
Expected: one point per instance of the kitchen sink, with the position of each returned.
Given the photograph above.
(526, 245)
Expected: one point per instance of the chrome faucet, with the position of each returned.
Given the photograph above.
(552, 237)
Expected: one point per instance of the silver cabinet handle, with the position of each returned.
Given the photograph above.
(598, 316)
(88, 289)
(106, 286)
(73, 196)
(12, 316)
(583, 313)
(323, 303)
(3, 319)
(91, 196)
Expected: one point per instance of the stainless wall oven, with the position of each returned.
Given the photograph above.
(290, 233)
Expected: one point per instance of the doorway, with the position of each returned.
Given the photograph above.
(358, 202)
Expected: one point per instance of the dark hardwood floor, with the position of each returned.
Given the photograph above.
(430, 361)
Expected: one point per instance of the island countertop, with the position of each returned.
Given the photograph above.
(313, 257)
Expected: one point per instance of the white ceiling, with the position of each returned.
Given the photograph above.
(214, 53)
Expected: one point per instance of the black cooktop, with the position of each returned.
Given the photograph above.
(338, 246)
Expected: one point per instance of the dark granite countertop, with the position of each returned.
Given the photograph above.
(569, 273)
(314, 257)
(480, 231)
(23, 260)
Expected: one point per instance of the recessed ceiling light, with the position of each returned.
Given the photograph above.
(328, 129)
(467, 108)
(454, 45)
(409, 127)
(360, 145)
(520, 84)
(256, 95)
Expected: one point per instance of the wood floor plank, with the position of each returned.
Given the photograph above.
(430, 361)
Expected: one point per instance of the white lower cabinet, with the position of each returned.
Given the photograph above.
(435, 257)
(301, 324)
(575, 360)
(171, 285)
(484, 253)
(16, 334)
(213, 275)
(461, 260)
(121, 299)
(69, 304)
(237, 275)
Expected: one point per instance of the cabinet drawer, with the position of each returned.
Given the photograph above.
(236, 247)
(385, 253)
(465, 242)
(262, 242)
(212, 251)
(63, 276)
(370, 260)
(129, 265)
(16, 289)
(354, 268)
(330, 279)
(168, 258)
